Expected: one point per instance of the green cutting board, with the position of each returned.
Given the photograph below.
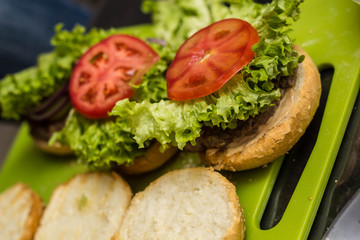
(329, 30)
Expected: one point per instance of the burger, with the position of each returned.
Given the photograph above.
(222, 78)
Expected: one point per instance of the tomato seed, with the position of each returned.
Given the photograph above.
(125, 73)
(99, 60)
(221, 34)
(195, 81)
(128, 51)
(84, 78)
(110, 91)
(89, 96)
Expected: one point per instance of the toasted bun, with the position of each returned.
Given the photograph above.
(20, 213)
(89, 206)
(192, 203)
(281, 131)
(55, 149)
(151, 160)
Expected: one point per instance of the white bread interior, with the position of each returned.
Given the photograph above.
(20, 212)
(281, 131)
(89, 206)
(193, 203)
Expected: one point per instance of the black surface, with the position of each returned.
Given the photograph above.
(115, 13)
(344, 180)
(295, 161)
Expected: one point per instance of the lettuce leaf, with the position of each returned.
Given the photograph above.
(26, 89)
(99, 144)
(176, 123)
(275, 57)
(247, 94)
(104, 143)
(176, 20)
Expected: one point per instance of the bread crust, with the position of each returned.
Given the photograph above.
(34, 207)
(281, 131)
(55, 149)
(151, 160)
(235, 230)
(34, 217)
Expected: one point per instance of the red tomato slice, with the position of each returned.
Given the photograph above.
(209, 58)
(102, 76)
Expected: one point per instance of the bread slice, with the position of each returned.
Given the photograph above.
(20, 213)
(280, 133)
(192, 203)
(88, 206)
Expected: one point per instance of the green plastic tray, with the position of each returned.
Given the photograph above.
(329, 30)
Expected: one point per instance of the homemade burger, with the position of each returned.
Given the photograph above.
(218, 77)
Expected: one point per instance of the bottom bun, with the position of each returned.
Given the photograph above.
(151, 160)
(55, 149)
(281, 131)
(192, 203)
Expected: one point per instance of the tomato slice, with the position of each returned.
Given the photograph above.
(102, 76)
(209, 58)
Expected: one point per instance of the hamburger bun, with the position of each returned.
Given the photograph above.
(281, 131)
(55, 149)
(21, 209)
(88, 206)
(152, 159)
(192, 203)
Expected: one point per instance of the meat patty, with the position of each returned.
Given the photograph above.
(216, 137)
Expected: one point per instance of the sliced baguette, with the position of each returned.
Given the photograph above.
(20, 213)
(193, 203)
(280, 133)
(89, 206)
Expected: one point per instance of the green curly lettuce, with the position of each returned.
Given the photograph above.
(247, 94)
(176, 123)
(25, 90)
(176, 20)
(104, 143)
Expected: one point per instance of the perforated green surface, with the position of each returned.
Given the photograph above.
(329, 30)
